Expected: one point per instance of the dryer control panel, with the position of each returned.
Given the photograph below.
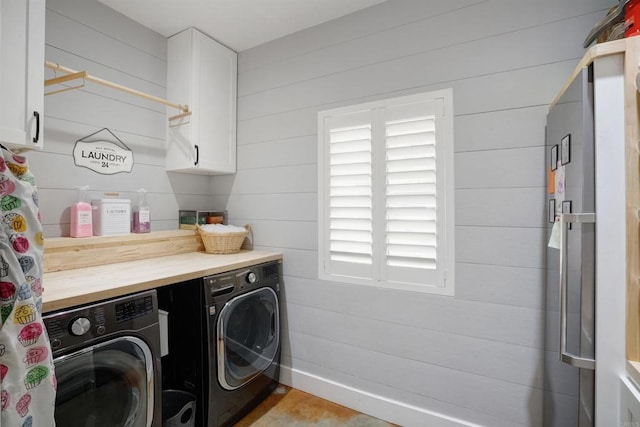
(220, 284)
(80, 326)
(220, 287)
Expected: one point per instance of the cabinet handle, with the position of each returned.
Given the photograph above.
(37, 137)
(197, 156)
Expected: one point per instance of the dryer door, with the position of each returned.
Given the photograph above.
(109, 384)
(248, 336)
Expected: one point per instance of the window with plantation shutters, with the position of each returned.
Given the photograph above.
(386, 193)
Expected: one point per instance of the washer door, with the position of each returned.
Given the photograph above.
(109, 384)
(248, 336)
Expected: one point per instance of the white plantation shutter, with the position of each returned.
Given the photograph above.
(386, 193)
(411, 193)
(350, 210)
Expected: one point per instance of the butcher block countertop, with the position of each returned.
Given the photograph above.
(116, 275)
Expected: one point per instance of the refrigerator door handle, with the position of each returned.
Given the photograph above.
(566, 357)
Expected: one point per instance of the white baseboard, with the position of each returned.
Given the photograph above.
(380, 407)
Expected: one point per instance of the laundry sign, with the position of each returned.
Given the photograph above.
(100, 155)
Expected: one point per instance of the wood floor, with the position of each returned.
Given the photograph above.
(290, 407)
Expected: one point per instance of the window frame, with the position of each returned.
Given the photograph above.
(445, 282)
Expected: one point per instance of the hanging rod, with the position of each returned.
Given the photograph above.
(83, 74)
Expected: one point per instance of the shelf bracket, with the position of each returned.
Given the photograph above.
(172, 119)
(58, 80)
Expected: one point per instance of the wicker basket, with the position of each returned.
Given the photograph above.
(227, 243)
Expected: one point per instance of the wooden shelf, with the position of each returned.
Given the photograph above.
(67, 253)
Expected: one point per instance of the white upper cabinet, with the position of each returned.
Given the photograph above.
(203, 74)
(21, 73)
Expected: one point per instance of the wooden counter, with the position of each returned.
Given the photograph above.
(120, 276)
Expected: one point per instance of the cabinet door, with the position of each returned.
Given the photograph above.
(180, 155)
(22, 72)
(215, 98)
(203, 74)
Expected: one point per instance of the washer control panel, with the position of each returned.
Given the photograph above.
(80, 326)
(76, 327)
(133, 308)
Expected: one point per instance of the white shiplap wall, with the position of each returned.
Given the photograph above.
(86, 35)
(413, 359)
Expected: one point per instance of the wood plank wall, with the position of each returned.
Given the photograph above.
(86, 35)
(478, 357)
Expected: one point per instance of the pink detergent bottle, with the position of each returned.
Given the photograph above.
(81, 224)
(141, 214)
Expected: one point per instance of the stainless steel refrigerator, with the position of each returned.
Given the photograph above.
(570, 257)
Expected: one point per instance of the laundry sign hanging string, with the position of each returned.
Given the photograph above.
(103, 156)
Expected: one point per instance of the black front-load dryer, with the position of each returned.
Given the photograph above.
(242, 329)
